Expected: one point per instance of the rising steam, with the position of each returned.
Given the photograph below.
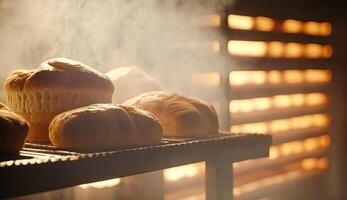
(105, 34)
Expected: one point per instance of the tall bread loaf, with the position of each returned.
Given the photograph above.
(57, 85)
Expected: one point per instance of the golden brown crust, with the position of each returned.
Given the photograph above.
(56, 86)
(208, 114)
(179, 115)
(148, 128)
(13, 130)
(100, 125)
(17, 79)
(130, 82)
(59, 73)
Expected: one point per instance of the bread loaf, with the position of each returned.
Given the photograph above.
(104, 125)
(129, 82)
(179, 115)
(13, 130)
(57, 85)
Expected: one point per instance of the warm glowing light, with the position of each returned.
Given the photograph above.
(274, 77)
(260, 127)
(301, 122)
(297, 99)
(247, 77)
(212, 20)
(177, 173)
(312, 28)
(313, 50)
(292, 26)
(298, 147)
(294, 50)
(276, 49)
(309, 163)
(325, 28)
(278, 102)
(314, 99)
(102, 184)
(282, 101)
(236, 129)
(239, 77)
(311, 144)
(274, 152)
(293, 76)
(316, 75)
(249, 105)
(282, 125)
(327, 51)
(211, 79)
(279, 125)
(240, 22)
(262, 103)
(320, 120)
(264, 24)
(246, 105)
(247, 48)
(258, 77)
(286, 149)
(315, 163)
(325, 140)
(254, 128)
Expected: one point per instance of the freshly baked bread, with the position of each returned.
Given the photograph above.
(56, 86)
(209, 118)
(179, 115)
(148, 128)
(130, 82)
(13, 130)
(104, 125)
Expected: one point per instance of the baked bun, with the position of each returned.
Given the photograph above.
(148, 128)
(179, 115)
(13, 130)
(130, 82)
(104, 125)
(56, 86)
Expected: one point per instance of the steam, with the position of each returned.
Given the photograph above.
(106, 34)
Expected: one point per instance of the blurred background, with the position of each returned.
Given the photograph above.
(268, 67)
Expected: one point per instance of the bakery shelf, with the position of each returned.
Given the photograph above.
(41, 167)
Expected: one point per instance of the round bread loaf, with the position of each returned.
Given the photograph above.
(148, 128)
(104, 125)
(13, 130)
(56, 86)
(130, 82)
(179, 115)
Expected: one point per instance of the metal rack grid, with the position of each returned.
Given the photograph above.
(42, 167)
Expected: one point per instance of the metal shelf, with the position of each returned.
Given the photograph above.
(48, 168)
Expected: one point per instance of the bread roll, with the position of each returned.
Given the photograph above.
(148, 128)
(104, 125)
(179, 115)
(129, 82)
(56, 86)
(13, 130)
